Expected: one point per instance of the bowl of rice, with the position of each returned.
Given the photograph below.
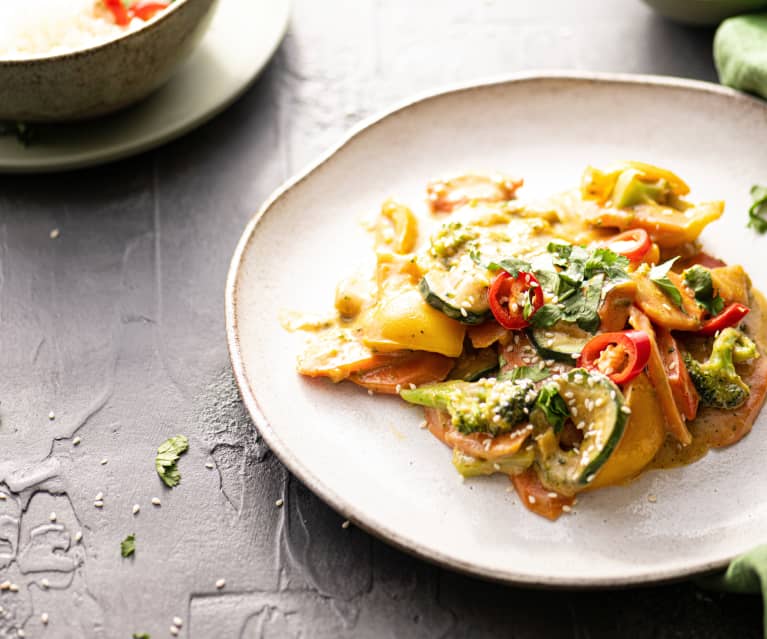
(66, 60)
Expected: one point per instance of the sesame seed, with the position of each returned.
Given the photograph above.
(52, 516)
(220, 583)
(6, 585)
(370, 392)
(45, 583)
(98, 503)
(346, 524)
(104, 461)
(20, 632)
(652, 498)
(496, 466)
(210, 465)
(177, 621)
(99, 496)
(14, 587)
(575, 355)
(412, 386)
(531, 499)
(51, 416)
(626, 409)
(3, 496)
(156, 501)
(174, 631)
(79, 536)
(136, 508)
(54, 233)
(44, 618)
(463, 312)
(279, 503)
(566, 508)
(553, 495)
(76, 441)
(423, 424)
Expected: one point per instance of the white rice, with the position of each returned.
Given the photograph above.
(40, 28)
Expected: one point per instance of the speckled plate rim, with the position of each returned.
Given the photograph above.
(299, 469)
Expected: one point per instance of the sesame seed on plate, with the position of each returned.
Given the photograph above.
(44, 618)
(209, 465)
(52, 516)
(220, 583)
(136, 508)
(98, 503)
(177, 621)
(54, 233)
(174, 631)
(346, 524)
(76, 441)
(79, 536)
(156, 501)
(99, 496)
(279, 503)
(104, 461)
(51, 416)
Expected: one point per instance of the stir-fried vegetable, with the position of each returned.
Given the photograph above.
(574, 335)
(716, 379)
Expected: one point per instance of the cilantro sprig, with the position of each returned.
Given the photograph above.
(659, 276)
(167, 456)
(699, 280)
(128, 546)
(757, 214)
(533, 373)
(553, 406)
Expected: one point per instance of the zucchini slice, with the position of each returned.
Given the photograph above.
(463, 300)
(598, 410)
(473, 365)
(561, 342)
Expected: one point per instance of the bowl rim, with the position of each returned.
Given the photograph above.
(173, 8)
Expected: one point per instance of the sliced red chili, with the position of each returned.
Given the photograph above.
(633, 244)
(146, 9)
(730, 316)
(621, 355)
(509, 295)
(119, 12)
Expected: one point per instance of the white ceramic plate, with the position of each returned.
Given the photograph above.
(366, 455)
(239, 42)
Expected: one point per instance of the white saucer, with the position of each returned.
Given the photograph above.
(240, 41)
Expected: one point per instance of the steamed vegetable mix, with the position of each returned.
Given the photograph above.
(570, 345)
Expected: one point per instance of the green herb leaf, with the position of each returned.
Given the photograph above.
(167, 456)
(583, 309)
(561, 252)
(142, 635)
(757, 214)
(659, 276)
(546, 316)
(603, 260)
(512, 266)
(533, 373)
(549, 281)
(698, 278)
(128, 545)
(554, 408)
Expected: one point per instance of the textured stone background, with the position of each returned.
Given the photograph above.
(117, 327)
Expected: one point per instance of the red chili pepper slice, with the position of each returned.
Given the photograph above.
(621, 355)
(119, 11)
(146, 9)
(632, 244)
(508, 295)
(730, 316)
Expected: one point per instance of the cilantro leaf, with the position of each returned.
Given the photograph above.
(561, 252)
(699, 280)
(143, 635)
(546, 316)
(757, 214)
(549, 280)
(659, 276)
(167, 456)
(128, 545)
(583, 309)
(512, 266)
(603, 260)
(533, 373)
(554, 408)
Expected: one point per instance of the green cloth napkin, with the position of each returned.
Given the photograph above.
(746, 575)
(740, 53)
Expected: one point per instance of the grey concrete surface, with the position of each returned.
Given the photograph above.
(116, 326)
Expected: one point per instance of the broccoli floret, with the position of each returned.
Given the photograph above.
(485, 406)
(716, 379)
